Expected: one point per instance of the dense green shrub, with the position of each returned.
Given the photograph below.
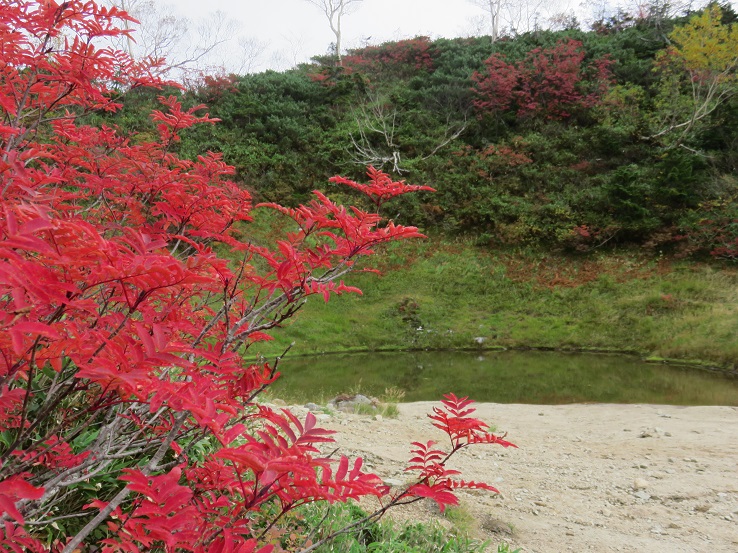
(516, 176)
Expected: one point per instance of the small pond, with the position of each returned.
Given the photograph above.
(503, 377)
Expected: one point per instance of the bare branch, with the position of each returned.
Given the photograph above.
(190, 48)
(375, 142)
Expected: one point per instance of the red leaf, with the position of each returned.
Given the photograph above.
(441, 495)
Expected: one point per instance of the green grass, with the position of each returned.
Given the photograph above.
(462, 519)
(386, 410)
(371, 537)
(505, 548)
(437, 294)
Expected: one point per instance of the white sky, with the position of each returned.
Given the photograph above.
(294, 30)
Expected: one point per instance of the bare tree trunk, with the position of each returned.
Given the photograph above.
(334, 10)
(494, 10)
(129, 40)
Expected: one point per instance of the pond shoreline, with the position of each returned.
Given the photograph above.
(726, 370)
(501, 376)
(451, 295)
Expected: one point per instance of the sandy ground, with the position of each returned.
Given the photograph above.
(640, 478)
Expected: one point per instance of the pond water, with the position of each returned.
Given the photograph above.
(503, 377)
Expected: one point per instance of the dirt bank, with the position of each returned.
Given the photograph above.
(585, 477)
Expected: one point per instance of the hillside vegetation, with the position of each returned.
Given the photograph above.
(585, 182)
(624, 134)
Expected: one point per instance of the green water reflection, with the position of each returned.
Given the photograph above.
(504, 377)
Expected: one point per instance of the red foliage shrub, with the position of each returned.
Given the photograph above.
(547, 82)
(403, 59)
(213, 87)
(127, 406)
(411, 54)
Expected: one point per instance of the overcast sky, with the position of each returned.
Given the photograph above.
(294, 30)
(289, 32)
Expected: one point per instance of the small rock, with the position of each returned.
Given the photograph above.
(657, 530)
(640, 484)
(480, 340)
(393, 482)
(312, 406)
(378, 418)
(642, 495)
(323, 417)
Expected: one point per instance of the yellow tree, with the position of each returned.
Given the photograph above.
(698, 73)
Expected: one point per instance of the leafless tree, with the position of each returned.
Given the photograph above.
(520, 16)
(251, 51)
(190, 48)
(493, 9)
(654, 10)
(334, 10)
(563, 21)
(291, 54)
(376, 143)
(524, 16)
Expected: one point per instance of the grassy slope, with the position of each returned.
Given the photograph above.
(447, 295)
